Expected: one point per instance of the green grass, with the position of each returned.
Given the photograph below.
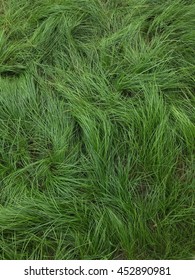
(97, 129)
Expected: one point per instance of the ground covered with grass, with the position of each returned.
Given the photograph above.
(97, 129)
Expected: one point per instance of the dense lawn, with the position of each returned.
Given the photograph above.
(97, 129)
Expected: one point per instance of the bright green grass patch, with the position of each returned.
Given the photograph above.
(97, 129)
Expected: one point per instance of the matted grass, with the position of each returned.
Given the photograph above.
(97, 129)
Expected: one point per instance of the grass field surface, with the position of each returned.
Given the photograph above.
(97, 129)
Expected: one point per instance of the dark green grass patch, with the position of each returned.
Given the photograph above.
(97, 129)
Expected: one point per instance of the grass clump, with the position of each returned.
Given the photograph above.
(97, 129)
